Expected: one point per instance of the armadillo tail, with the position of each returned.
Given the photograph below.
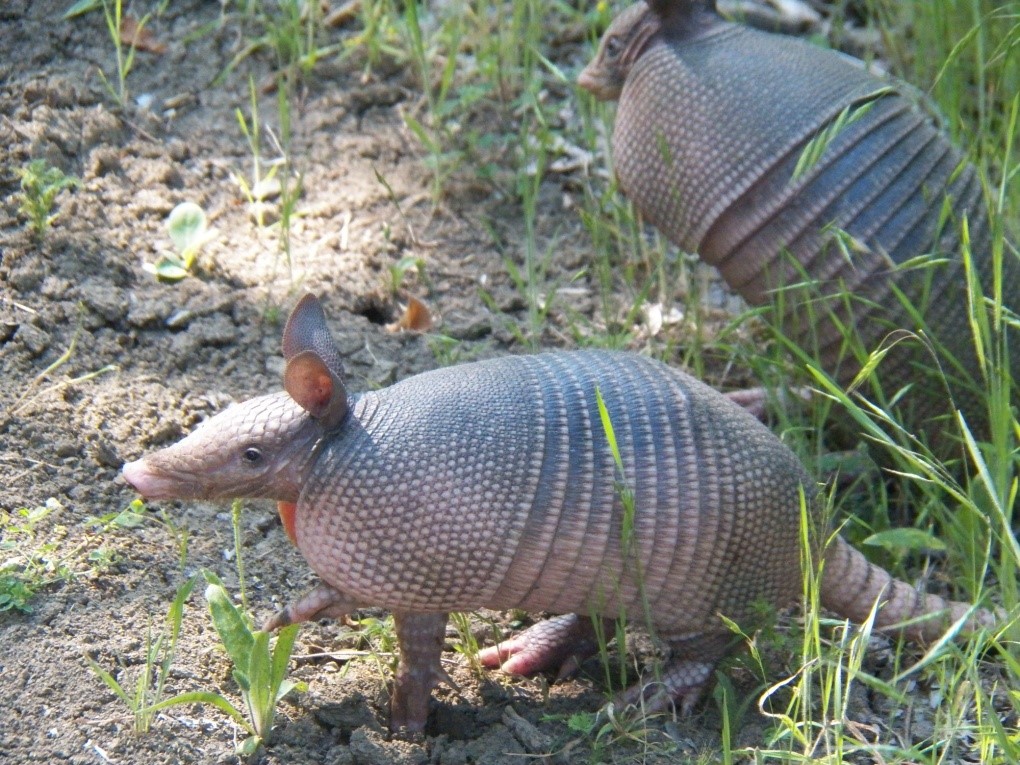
(851, 586)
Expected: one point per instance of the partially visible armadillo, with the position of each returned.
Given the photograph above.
(713, 119)
(493, 485)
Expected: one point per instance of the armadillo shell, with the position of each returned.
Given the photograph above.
(708, 137)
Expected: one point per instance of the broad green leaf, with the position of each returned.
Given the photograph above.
(281, 655)
(186, 226)
(130, 517)
(167, 269)
(261, 697)
(229, 623)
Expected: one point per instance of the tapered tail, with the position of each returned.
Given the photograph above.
(851, 586)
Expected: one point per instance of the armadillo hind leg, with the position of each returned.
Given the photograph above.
(420, 637)
(682, 681)
(559, 644)
(757, 400)
(323, 602)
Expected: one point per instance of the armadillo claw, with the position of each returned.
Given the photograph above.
(323, 602)
(409, 700)
(682, 683)
(561, 643)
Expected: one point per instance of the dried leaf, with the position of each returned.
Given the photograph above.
(416, 318)
(139, 37)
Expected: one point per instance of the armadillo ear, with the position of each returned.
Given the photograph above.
(315, 373)
(679, 17)
(312, 384)
(306, 330)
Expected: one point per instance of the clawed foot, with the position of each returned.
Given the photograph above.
(323, 602)
(682, 684)
(409, 700)
(561, 644)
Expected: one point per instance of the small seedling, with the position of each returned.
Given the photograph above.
(446, 350)
(125, 51)
(255, 189)
(136, 514)
(159, 655)
(31, 562)
(189, 232)
(21, 576)
(379, 637)
(399, 271)
(466, 643)
(260, 672)
(40, 184)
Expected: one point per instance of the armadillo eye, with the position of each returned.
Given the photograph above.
(252, 455)
(613, 46)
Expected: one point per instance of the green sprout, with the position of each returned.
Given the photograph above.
(189, 233)
(40, 184)
(260, 672)
(159, 655)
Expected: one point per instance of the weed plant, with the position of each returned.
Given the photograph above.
(259, 670)
(40, 185)
(147, 691)
(38, 550)
(113, 12)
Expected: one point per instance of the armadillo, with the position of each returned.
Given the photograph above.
(812, 185)
(493, 484)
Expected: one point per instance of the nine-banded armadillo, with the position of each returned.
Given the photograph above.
(713, 120)
(493, 485)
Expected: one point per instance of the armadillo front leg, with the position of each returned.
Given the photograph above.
(323, 602)
(560, 644)
(420, 637)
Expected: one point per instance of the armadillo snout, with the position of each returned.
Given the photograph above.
(152, 484)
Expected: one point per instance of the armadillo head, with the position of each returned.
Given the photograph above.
(264, 447)
(621, 45)
(630, 34)
(259, 448)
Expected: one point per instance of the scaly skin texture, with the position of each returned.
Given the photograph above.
(712, 120)
(492, 485)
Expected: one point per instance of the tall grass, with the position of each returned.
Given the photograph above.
(964, 53)
(492, 108)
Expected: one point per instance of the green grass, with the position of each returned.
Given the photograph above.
(972, 71)
(493, 90)
(149, 684)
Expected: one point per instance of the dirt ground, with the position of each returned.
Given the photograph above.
(146, 361)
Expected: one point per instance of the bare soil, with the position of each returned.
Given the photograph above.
(148, 360)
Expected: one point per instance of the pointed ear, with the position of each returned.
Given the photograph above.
(680, 17)
(316, 389)
(306, 330)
